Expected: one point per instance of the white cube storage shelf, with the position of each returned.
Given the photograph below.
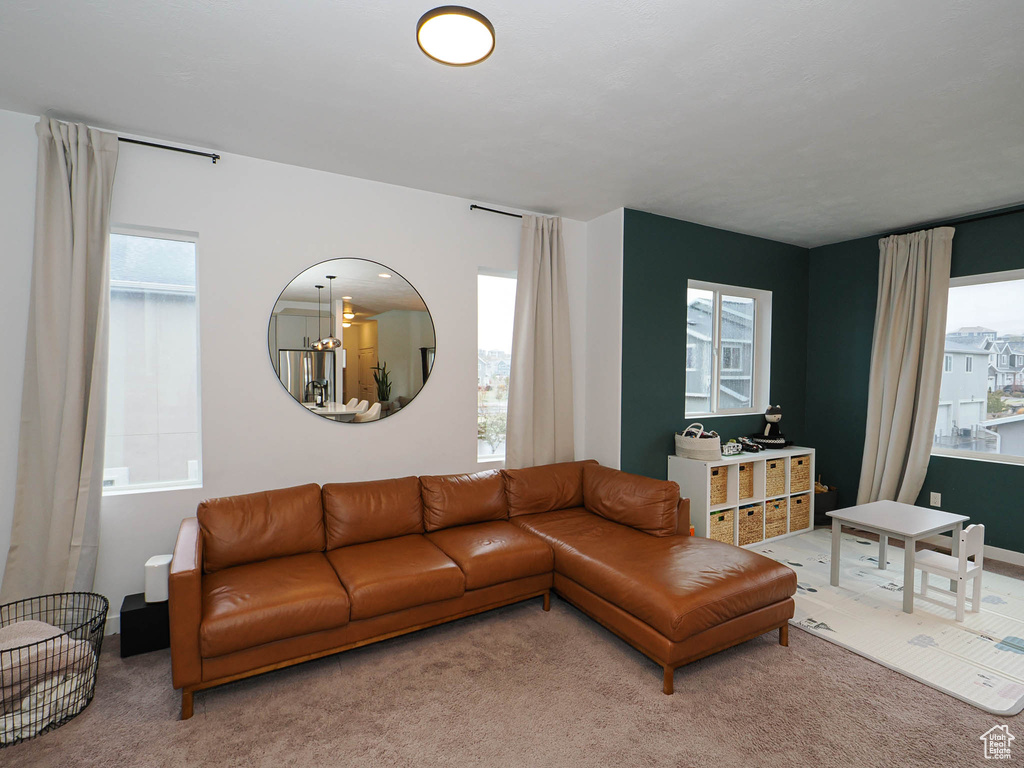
(797, 469)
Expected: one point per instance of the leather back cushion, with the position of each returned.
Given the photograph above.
(258, 526)
(639, 502)
(450, 500)
(546, 488)
(355, 513)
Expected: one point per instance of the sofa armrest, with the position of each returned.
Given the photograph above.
(683, 517)
(186, 604)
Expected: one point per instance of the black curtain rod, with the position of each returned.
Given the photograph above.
(476, 207)
(1017, 208)
(212, 155)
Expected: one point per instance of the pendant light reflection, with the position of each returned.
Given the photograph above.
(318, 344)
(332, 341)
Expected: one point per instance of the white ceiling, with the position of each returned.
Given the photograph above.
(800, 120)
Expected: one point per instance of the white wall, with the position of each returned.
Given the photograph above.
(603, 410)
(259, 224)
(17, 217)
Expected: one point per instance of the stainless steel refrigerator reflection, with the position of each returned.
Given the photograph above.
(305, 371)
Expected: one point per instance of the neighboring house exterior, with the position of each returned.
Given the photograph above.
(1011, 434)
(972, 333)
(963, 397)
(737, 354)
(492, 365)
(1006, 365)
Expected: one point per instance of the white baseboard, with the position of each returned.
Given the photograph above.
(113, 626)
(996, 553)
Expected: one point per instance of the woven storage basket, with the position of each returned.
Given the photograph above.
(775, 517)
(720, 526)
(799, 474)
(775, 477)
(800, 513)
(719, 485)
(751, 524)
(747, 480)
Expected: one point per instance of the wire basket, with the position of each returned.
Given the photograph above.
(46, 682)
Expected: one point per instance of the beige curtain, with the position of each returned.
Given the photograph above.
(55, 533)
(540, 406)
(906, 364)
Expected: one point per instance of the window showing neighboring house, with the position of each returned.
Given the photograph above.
(981, 401)
(728, 349)
(691, 357)
(153, 439)
(496, 307)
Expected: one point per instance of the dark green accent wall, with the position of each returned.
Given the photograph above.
(659, 256)
(843, 282)
(841, 309)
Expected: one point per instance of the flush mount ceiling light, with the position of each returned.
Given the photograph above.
(349, 316)
(456, 36)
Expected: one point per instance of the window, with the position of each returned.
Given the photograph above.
(732, 357)
(496, 306)
(728, 349)
(691, 357)
(981, 406)
(153, 439)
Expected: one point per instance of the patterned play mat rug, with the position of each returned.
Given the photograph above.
(979, 660)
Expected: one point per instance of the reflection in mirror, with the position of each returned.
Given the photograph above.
(362, 350)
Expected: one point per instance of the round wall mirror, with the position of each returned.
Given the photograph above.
(351, 340)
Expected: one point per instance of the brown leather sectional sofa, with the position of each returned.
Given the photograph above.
(271, 579)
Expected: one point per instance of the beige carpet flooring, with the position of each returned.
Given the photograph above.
(520, 687)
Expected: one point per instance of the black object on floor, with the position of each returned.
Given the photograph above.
(825, 502)
(145, 626)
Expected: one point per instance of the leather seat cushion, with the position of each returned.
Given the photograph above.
(492, 553)
(257, 603)
(680, 585)
(533, 490)
(390, 575)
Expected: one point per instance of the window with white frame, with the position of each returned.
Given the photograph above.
(728, 338)
(496, 308)
(153, 417)
(981, 402)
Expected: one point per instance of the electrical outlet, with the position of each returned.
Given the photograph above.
(936, 499)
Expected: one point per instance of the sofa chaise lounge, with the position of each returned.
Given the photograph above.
(266, 580)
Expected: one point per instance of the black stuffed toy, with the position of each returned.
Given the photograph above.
(772, 436)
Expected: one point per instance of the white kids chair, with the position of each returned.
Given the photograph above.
(959, 569)
(352, 403)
